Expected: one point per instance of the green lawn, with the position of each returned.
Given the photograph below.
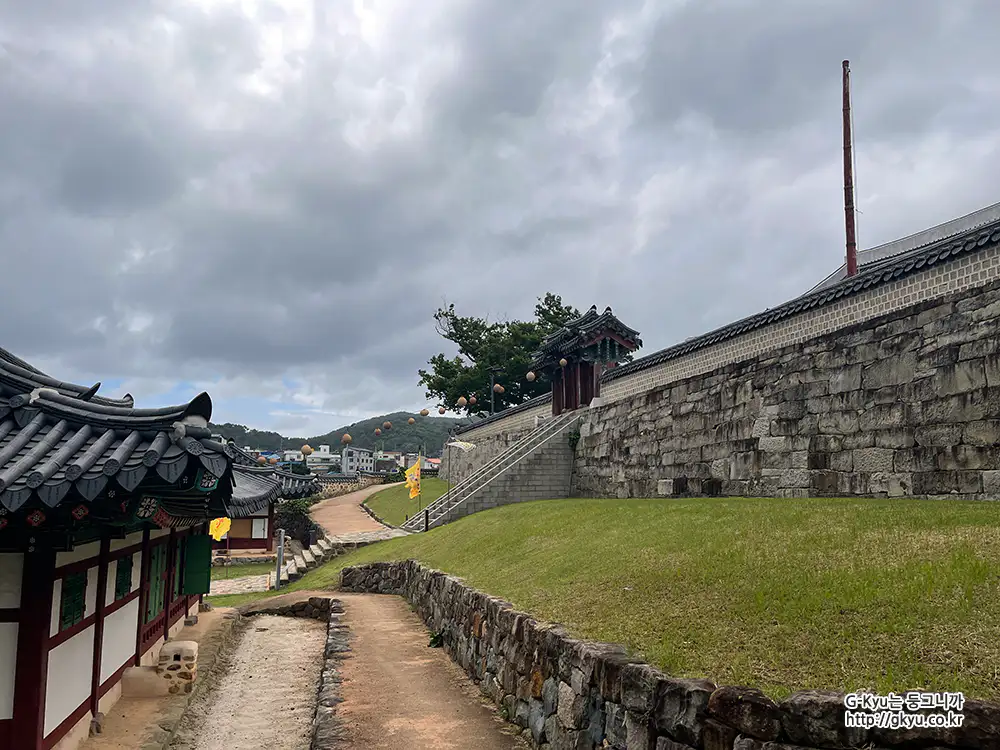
(837, 594)
(220, 572)
(393, 505)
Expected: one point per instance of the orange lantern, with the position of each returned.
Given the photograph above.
(461, 401)
(411, 420)
(424, 412)
(441, 410)
(530, 377)
(472, 400)
(377, 432)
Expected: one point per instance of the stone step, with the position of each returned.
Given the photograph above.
(300, 563)
(307, 556)
(324, 545)
(318, 553)
(285, 575)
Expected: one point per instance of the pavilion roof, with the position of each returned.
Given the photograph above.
(61, 443)
(579, 332)
(291, 486)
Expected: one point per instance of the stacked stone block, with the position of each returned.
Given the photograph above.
(903, 405)
(570, 694)
(178, 664)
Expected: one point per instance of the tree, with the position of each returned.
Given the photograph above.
(506, 345)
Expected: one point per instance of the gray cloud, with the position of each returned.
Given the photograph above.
(247, 196)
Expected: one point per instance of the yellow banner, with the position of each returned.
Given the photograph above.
(218, 528)
(413, 479)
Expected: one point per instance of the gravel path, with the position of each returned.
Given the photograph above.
(401, 695)
(344, 520)
(241, 585)
(267, 697)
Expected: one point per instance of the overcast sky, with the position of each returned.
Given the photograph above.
(268, 200)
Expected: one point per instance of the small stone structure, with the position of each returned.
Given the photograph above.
(178, 663)
(569, 693)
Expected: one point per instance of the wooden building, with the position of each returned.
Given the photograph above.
(578, 354)
(256, 531)
(104, 512)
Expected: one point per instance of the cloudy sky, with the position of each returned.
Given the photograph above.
(269, 199)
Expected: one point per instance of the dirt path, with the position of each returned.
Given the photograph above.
(399, 694)
(343, 515)
(267, 697)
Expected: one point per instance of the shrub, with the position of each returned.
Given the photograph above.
(293, 516)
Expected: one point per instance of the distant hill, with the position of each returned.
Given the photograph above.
(428, 433)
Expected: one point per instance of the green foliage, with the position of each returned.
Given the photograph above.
(779, 594)
(428, 433)
(293, 516)
(298, 468)
(394, 505)
(507, 345)
(573, 438)
(437, 640)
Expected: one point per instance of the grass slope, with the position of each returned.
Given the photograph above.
(393, 505)
(778, 594)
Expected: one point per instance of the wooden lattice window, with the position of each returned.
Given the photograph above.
(73, 601)
(123, 577)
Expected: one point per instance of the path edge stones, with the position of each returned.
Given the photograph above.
(171, 721)
(329, 732)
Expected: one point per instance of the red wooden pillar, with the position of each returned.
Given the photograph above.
(103, 562)
(32, 664)
(143, 593)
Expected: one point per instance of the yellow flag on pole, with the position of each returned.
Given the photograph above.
(413, 479)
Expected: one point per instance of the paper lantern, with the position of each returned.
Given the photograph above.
(377, 432)
(274, 460)
(461, 401)
(530, 377)
(563, 363)
(498, 388)
(411, 420)
(387, 425)
(424, 412)
(306, 450)
(346, 440)
(441, 410)
(501, 389)
(472, 400)
(262, 460)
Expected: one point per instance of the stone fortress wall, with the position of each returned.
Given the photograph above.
(885, 384)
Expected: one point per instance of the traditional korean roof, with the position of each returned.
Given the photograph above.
(291, 486)
(582, 332)
(61, 444)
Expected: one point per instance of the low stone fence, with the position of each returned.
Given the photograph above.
(579, 695)
(315, 608)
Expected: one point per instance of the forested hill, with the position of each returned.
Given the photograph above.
(427, 433)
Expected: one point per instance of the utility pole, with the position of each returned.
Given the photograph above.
(849, 216)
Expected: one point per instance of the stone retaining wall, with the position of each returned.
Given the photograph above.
(578, 695)
(904, 405)
(315, 608)
(328, 731)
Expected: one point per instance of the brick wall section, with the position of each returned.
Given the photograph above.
(963, 274)
(568, 693)
(905, 404)
(544, 474)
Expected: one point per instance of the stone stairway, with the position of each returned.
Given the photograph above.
(326, 548)
(539, 467)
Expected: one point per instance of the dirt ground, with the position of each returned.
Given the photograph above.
(130, 719)
(267, 698)
(399, 694)
(343, 515)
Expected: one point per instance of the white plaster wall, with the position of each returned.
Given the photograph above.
(92, 592)
(157, 533)
(68, 682)
(10, 580)
(83, 552)
(119, 638)
(129, 541)
(54, 617)
(8, 660)
(109, 592)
